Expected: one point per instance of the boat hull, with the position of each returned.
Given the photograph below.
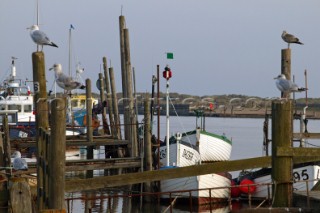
(303, 175)
(202, 189)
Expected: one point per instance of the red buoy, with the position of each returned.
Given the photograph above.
(235, 191)
(246, 186)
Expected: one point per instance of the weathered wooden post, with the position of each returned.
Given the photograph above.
(57, 154)
(109, 100)
(147, 143)
(129, 86)
(40, 101)
(89, 124)
(282, 165)
(6, 145)
(122, 26)
(106, 129)
(115, 104)
(286, 67)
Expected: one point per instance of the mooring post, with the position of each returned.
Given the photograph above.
(115, 104)
(282, 165)
(147, 144)
(286, 67)
(57, 154)
(89, 124)
(108, 96)
(106, 129)
(42, 120)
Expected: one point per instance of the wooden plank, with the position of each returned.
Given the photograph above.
(79, 142)
(297, 152)
(134, 178)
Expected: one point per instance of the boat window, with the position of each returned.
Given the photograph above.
(28, 108)
(14, 107)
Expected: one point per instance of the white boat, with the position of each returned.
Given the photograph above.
(305, 176)
(194, 148)
(16, 101)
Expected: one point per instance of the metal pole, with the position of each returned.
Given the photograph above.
(168, 122)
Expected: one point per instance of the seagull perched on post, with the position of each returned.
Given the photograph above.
(290, 38)
(64, 81)
(287, 86)
(18, 162)
(39, 37)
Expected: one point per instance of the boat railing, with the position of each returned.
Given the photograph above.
(274, 184)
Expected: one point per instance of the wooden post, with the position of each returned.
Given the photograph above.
(57, 154)
(129, 86)
(115, 104)
(122, 26)
(109, 100)
(282, 166)
(147, 144)
(106, 129)
(89, 124)
(286, 67)
(40, 101)
(20, 195)
(147, 135)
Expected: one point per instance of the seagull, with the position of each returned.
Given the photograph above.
(286, 86)
(39, 37)
(18, 162)
(64, 81)
(290, 38)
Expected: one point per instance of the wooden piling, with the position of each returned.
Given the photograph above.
(147, 135)
(6, 145)
(129, 86)
(106, 129)
(115, 104)
(42, 120)
(89, 123)
(147, 144)
(20, 195)
(122, 26)
(282, 166)
(109, 100)
(286, 67)
(57, 154)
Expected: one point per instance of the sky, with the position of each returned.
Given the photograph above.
(220, 47)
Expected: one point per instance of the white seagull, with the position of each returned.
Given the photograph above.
(40, 37)
(290, 38)
(64, 81)
(18, 162)
(286, 86)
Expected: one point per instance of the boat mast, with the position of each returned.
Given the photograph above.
(167, 74)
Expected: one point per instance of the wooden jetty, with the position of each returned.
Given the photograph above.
(130, 166)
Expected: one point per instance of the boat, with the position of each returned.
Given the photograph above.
(258, 183)
(16, 100)
(195, 147)
(305, 176)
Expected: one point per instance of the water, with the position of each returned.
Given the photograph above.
(247, 137)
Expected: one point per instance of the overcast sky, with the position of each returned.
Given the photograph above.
(220, 47)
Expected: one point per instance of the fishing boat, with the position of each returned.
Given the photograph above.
(194, 148)
(16, 100)
(258, 183)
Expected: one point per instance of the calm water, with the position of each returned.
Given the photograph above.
(247, 137)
